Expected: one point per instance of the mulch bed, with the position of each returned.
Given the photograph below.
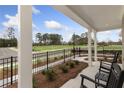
(7, 71)
(61, 78)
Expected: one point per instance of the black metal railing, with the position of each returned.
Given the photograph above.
(40, 61)
(8, 69)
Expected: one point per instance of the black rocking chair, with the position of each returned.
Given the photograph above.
(115, 80)
(104, 70)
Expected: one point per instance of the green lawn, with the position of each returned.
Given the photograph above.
(111, 47)
(57, 47)
(54, 47)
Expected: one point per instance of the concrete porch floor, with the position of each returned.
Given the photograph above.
(89, 71)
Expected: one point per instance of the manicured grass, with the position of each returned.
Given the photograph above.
(57, 47)
(54, 47)
(110, 47)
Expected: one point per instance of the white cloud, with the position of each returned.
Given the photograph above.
(54, 25)
(112, 35)
(12, 20)
(35, 10)
(35, 27)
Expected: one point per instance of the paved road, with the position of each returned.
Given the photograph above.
(7, 52)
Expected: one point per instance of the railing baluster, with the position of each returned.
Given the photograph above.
(47, 60)
(64, 55)
(15, 69)
(7, 71)
(11, 70)
(3, 73)
(74, 52)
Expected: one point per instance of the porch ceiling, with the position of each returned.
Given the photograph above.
(99, 17)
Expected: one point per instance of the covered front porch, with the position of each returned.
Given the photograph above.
(94, 18)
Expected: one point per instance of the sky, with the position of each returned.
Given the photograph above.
(45, 19)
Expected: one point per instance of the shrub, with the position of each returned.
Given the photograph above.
(62, 57)
(34, 83)
(44, 71)
(50, 74)
(76, 62)
(72, 65)
(55, 58)
(67, 64)
(64, 68)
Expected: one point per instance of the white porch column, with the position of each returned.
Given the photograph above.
(123, 41)
(89, 47)
(95, 45)
(25, 46)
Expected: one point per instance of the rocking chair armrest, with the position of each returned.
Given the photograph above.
(103, 66)
(107, 63)
(90, 79)
(105, 71)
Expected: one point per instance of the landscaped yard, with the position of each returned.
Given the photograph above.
(55, 77)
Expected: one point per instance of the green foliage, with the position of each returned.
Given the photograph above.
(44, 71)
(64, 68)
(55, 39)
(34, 83)
(62, 57)
(72, 65)
(50, 74)
(8, 42)
(76, 62)
(67, 64)
(55, 58)
(11, 40)
(45, 48)
(39, 37)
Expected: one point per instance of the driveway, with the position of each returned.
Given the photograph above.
(7, 52)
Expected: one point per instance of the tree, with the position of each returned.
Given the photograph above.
(39, 37)
(75, 39)
(84, 38)
(45, 38)
(12, 40)
(10, 32)
(55, 39)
